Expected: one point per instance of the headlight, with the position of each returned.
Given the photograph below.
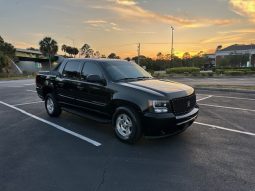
(159, 106)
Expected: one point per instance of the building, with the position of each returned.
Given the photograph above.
(242, 55)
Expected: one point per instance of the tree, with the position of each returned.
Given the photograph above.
(49, 48)
(97, 54)
(63, 48)
(219, 47)
(128, 59)
(160, 56)
(186, 56)
(1, 40)
(86, 51)
(7, 52)
(168, 56)
(33, 49)
(72, 51)
(75, 51)
(113, 56)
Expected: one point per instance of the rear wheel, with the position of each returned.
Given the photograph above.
(127, 125)
(52, 106)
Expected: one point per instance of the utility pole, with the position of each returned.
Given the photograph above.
(250, 59)
(172, 49)
(138, 53)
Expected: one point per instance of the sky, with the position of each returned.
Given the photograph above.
(119, 25)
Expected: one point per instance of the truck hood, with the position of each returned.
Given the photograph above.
(166, 88)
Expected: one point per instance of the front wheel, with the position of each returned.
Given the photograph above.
(127, 125)
(52, 106)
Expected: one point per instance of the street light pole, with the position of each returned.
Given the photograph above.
(172, 49)
(138, 53)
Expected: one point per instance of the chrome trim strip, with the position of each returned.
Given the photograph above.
(188, 114)
(65, 96)
(92, 102)
(187, 120)
(82, 82)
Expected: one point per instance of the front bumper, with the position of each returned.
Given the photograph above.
(167, 123)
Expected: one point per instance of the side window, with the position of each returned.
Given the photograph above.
(72, 70)
(91, 68)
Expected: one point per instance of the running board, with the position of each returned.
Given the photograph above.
(86, 115)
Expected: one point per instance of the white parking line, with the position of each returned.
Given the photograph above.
(11, 86)
(29, 84)
(234, 108)
(28, 103)
(31, 91)
(205, 98)
(250, 99)
(226, 129)
(95, 143)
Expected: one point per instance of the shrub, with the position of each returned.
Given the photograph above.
(183, 70)
(234, 72)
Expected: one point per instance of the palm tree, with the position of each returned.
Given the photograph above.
(48, 47)
(63, 48)
(75, 51)
(160, 56)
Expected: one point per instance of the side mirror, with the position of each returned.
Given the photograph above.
(96, 79)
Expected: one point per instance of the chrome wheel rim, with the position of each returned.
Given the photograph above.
(50, 105)
(123, 125)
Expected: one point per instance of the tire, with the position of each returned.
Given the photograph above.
(52, 106)
(127, 125)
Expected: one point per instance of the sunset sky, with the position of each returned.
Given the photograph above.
(118, 25)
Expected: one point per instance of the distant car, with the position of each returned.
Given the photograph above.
(121, 93)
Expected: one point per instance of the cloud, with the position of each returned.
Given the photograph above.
(131, 10)
(95, 22)
(126, 2)
(102, 24)
(225, 38)
(244, 8)
(247, 31)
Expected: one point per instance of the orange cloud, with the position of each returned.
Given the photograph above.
(244, 8)
(126, 2)
(130, 10)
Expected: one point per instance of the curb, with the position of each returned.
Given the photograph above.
(227, 90)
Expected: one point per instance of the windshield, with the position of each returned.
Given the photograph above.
(124, 70)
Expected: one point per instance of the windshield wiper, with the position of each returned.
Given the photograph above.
(143, 78)
(137, 78)
(124, 79)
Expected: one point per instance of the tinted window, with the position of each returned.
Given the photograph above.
(91, 68)
(118, 70)
(72, 70)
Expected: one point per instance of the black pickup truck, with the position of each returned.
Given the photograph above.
(121, 93)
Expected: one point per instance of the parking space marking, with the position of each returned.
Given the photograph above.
(224, 107)
(205, 98)
(29, 84)
(28, 103)
(93, 142)
(31, 91)
(11, 86)
(226, 129)
(229, 97)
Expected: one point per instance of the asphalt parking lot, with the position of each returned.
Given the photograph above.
(71, 153)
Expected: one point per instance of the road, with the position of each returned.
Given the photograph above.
(42, 153)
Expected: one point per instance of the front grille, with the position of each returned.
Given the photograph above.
(183, 105)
